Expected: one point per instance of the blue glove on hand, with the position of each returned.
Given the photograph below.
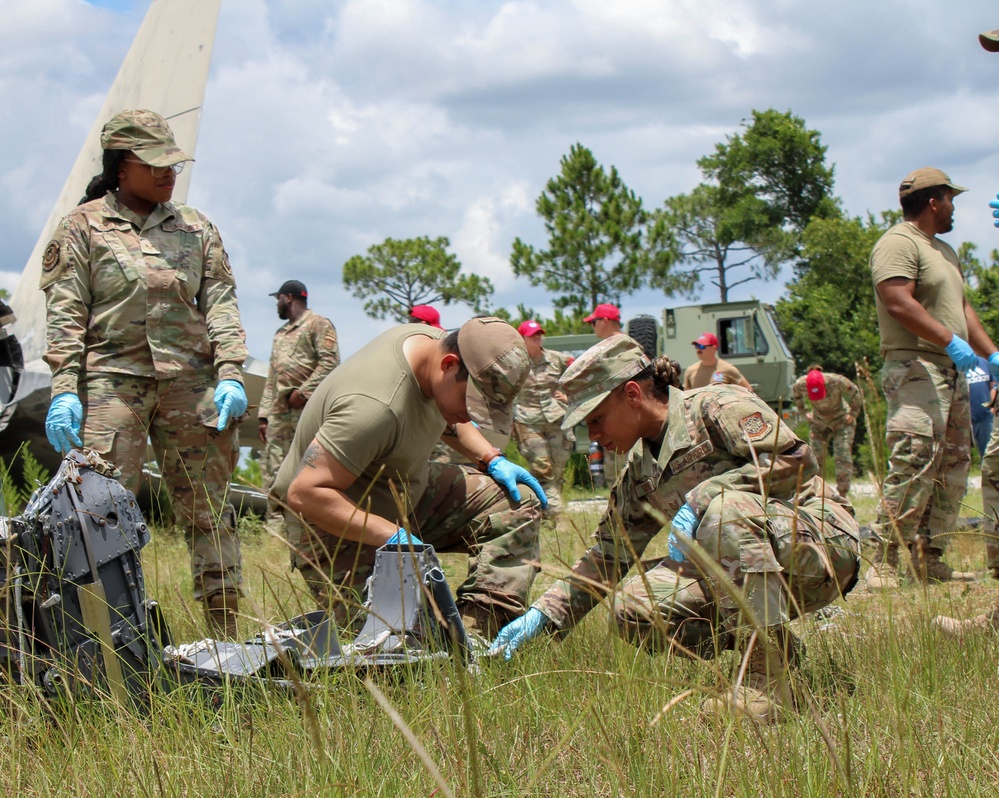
(961, 353)
(994, 366)
(62, 424)
(516, 633)
(403, 538)
(230, 402)
(508, 474)
(994, 204)
(684, 526)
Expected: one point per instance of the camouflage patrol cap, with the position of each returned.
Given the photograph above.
(146, 134)
(597, 372)
(498, 365)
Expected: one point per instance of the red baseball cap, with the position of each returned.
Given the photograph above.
(816, 384)
(426, 314)
(707, 339)
(529, 328)
(604, 312)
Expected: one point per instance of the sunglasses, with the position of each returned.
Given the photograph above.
(700, 347)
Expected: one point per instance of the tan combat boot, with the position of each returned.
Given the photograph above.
(882, 575)
(955, 627)
(765, 691)
(928, 567)
(220, 611)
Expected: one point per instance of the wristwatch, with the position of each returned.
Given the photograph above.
(487, 458)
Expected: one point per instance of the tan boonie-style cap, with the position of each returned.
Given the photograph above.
(498, 366)
(145, 133)
(597, 372)
(924, 178)
(990, 40)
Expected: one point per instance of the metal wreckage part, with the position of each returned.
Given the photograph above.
(76, 618)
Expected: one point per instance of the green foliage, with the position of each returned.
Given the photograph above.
(595, 225)
(982, 289)
(397, 274)
(248, 471)
(828, 316)
(14, 492)
(762, 188)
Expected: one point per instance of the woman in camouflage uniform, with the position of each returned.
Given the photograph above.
(715, 466)
(145, 339)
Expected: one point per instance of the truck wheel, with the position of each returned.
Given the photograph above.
(646, 332)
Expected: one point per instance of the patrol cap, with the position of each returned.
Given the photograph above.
(145, 133)
(604, 311)
(925, 178)
(427, 315)
(529, 328)
(816, 384)
(707, 339)
(990, 40)
(293, 287)
(498, 366)
(597, 372)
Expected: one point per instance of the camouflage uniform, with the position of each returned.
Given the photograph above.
(790, 550)
(302, 354)
(142, 323)
(829, 420)
(537, 425)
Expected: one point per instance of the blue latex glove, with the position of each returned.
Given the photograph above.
(516, 633)
(994, 366)
(403, 538)
(961, 353)
(994, 205)
(230, 402)
(62, 424)
(684, 526)
(508, 474)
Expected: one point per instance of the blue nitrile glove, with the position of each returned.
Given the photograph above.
(508, 474)
(403, 538)
(516, 633)
(994, 205)
(230, 402)
(994, 366)
(684, 525)
(961, 353)
(62, 424)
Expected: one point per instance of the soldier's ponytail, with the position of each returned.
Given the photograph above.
(664, 374)
(107, 180)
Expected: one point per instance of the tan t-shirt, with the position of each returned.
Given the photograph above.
(370, 414)
(905, 251)
(699, 375)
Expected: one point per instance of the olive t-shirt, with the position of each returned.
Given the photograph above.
(371, 415)
(906, 251)
(699, 375)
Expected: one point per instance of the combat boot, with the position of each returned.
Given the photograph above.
(765, 691)
(882, 575)
(928, 567)
(955, 627)
(220, 611)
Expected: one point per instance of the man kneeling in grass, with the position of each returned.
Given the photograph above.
(717, 466)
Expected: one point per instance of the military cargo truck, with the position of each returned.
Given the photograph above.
(748, 338)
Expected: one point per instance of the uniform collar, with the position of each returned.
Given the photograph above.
(291, 325)
(115, 210)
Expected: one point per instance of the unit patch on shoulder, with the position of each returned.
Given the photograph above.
(755, 427)
(51, 257)
(699, 452)
(330, 339)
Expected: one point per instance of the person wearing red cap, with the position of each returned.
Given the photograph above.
(537, 415)
(425, 314)
(835, 407)
(709, 368)
(605, 320)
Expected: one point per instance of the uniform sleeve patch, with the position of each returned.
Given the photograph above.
(50, 259)
(756, 427)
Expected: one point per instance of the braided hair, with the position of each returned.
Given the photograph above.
(663, 374)
(107, 180)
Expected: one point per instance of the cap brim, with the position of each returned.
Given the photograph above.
(956, 189)
(575, 414)
(158, 157)
(990, 40)
(591, 317)
(488, 414)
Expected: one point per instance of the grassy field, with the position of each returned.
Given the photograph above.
(886, 708)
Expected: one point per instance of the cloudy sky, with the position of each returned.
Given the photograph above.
(330, 125)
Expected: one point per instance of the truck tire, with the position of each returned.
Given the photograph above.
(646, 332)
